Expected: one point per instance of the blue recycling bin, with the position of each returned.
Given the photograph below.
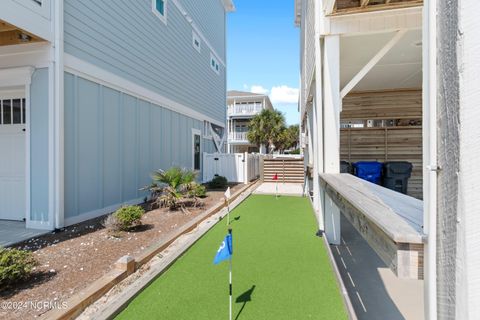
(368, 170)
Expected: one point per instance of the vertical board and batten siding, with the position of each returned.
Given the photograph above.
(127, 39)
(402, 143)
(39, 146)
(113, 142)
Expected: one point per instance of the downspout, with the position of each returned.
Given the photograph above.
(318, 115)
(430, 156)
(58, 115)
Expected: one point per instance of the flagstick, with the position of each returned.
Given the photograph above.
(228, 212)
(230, 279)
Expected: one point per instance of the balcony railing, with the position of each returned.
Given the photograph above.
(244, 109)
(238, 136)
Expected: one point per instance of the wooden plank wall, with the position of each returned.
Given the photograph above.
(399, 143)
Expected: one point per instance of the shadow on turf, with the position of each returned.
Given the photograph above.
(244, 298)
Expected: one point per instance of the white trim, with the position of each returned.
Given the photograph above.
(14, 77)
(100, 212)
(162, 17)
(58, 124)
(93, 73)
(197, 30)
(198, 133)
(196, 38)
(35, 54)
(228, 5)
(429, 150)
(376, 58)
(33, 21)
(214, 64)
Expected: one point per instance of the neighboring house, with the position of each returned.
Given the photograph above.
(241, 108)
(95, 95)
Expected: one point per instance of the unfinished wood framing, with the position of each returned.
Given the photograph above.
(399, 143)
(358, 6)
(11, 35)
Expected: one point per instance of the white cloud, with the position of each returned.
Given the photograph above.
(283, 95)
(258, 89)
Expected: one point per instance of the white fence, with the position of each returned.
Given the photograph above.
(236, 167)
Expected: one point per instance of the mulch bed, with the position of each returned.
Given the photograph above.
(72, 258)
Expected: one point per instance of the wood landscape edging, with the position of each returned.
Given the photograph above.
(123, 267)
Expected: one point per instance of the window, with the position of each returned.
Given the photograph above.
(214, 64)
(196, 137)
(159, 8)
(206, 129)
(196, 42)
(12, 111)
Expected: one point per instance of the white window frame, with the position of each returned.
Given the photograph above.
(196, 38)
(207, 133)
(162, 17)
(216, 67)
(194, 133)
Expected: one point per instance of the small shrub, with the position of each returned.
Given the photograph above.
(218, 182)
(15, 265)
(113, 225)
(129, 216)
(198, 191)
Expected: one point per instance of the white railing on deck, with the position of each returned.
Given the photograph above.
(244, 109)
(238, 136)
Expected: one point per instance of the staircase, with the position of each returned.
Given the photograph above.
(287, 170)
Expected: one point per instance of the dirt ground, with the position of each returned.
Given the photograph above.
(72, 258)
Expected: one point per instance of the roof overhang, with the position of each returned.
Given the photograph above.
(228, 5)
(298, 12)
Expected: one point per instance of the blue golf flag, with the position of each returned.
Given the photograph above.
(225, 251)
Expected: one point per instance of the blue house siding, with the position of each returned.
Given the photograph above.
(39, 146)
(209, 16)
(127, 39)
(113, 142)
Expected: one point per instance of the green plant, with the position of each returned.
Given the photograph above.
(128, 217)
(219, 182)
(15, 265)
(173, 187)
(266, 128)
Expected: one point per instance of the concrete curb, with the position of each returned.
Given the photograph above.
(343, 290)
(125, 266)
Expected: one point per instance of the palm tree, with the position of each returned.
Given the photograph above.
(266, 128)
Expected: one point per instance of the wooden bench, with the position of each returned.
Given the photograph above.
(389, 221)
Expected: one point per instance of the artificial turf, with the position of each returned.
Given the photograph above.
(280, 270)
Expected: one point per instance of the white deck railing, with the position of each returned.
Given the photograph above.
(244, 109)
(238, 136)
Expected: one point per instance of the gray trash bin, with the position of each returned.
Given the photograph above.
(396, 175)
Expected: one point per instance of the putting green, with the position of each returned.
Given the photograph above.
(280, 270)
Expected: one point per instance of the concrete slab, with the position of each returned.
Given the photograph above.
(286, 189)
(12, 232)
(375, 291)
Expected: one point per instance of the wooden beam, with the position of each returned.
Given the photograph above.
(366, 69)
(6, 27)
(377, 7)
(364, 3)
(329, 5)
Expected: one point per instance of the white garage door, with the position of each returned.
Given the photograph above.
(12, 157)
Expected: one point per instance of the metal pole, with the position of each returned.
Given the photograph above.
(230, 278)
(228, 212)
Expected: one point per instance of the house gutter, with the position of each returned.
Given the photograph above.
(430, 156)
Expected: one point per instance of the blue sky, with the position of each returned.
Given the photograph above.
(263, 52)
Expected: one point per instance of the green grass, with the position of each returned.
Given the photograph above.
(280, 270)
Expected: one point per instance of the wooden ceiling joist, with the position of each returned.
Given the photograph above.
(342, 7)
(11, 35)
